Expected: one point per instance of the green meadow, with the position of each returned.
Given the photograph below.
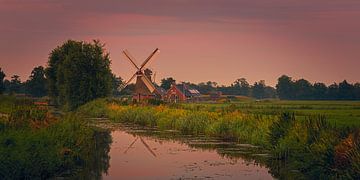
(339, 113)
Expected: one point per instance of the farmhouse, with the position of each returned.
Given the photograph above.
(181, 92)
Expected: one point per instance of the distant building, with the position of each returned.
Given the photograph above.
(181, 92)
(215, 95)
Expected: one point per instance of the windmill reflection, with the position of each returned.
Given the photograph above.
(143, 142)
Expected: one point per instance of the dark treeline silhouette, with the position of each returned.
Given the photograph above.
(286, 87)
(258, 90)
(35, 85)
(301, 89)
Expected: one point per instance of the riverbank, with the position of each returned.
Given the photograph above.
(36, 144)
(312, 145)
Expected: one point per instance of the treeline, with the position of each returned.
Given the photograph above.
(240, 87)
(286, 89)
(34, 86)
(301, 89)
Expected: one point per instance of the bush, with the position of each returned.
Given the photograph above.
(57, 150)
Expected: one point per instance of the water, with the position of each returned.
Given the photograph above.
(137, 153)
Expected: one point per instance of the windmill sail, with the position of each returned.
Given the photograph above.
(148, 84)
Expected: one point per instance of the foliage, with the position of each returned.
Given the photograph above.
(78, 72)
(2, 78)
(166, 83)
(243, 87)
(116, 82)
(15, 85)
(303, 90)
(36, 85)
(36, 145)
(258, 89)
(284, 87)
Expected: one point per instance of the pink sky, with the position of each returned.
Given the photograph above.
(200, 40)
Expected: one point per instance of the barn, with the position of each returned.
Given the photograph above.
(181, 93)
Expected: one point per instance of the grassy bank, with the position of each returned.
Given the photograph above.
(229, 125)
(339, 113)
(35, 144)
(311, 144)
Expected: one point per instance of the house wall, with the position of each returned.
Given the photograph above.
(174, 92)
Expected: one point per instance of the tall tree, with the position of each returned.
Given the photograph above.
(242, 87)
(15, 85)
(258, 89)
(2, 83)
(270, 92)
(116, 82)
(166, 82)
(302, 89)
(357, 91)
(333, 92)
(36, 85)
(78, 72)
(319, 91)
(346, 91)
(284, 87)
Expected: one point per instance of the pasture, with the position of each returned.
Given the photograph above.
(339, 113)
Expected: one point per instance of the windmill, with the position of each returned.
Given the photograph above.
(144, 87)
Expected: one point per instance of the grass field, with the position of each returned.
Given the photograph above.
(341, 113)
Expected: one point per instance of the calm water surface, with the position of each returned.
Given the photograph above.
(134, 154)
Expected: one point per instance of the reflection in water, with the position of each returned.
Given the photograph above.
(139, 154)
(97, 157)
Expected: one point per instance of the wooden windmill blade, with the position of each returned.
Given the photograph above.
(130, 146)
(124, 86)
(130, 58)
(154, 76)
(148, 147)
(149, 58)
(148, 83)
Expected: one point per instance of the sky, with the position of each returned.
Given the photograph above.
(199, 40)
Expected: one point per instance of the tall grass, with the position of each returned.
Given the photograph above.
(34, 144)
(228, 124)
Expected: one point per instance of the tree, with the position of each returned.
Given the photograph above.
(357, 91)
(15, 85)
(78, 72)
(242, 87)
(116, 82)
(207, 88)
(319, 91)
(270, 92)
(258, 89)
(166, 83)
(284, 87)
(36, 85)
(346, 91)
(2, 83)
(333, 92)
(302, 89)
